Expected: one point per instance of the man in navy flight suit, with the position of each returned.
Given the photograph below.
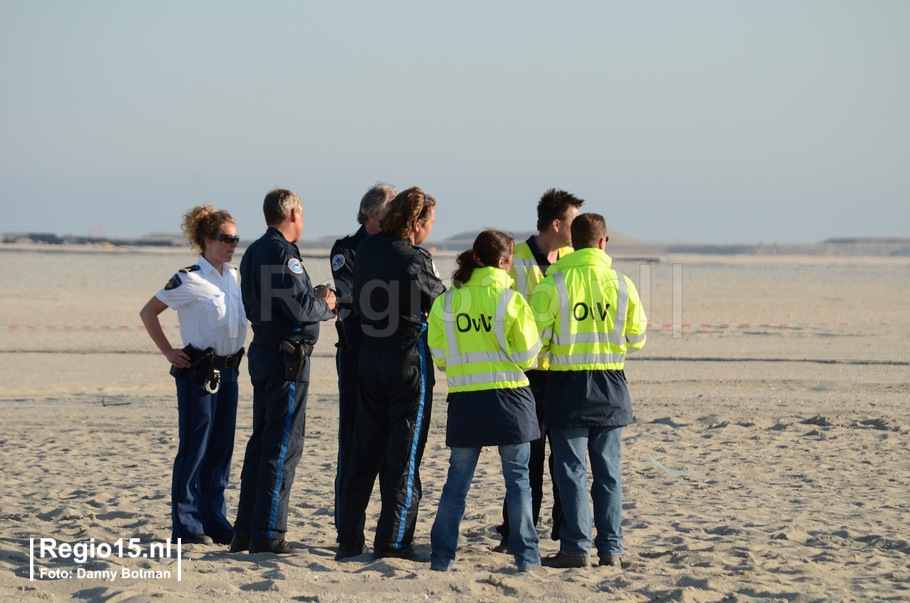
(372, 208)
(284, 312)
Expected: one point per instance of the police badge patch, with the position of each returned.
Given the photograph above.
(337, 262)
(173, 283)
(295, 266)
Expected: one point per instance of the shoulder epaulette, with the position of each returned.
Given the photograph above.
(189, 269)
(429, 256)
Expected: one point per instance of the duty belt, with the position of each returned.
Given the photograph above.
(282, 344)
(232, 361)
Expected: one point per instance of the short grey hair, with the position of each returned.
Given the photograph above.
(278, 205)
(375, 200)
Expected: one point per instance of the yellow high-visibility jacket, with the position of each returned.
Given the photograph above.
(589, 315)
(527, 273)
(483, 334)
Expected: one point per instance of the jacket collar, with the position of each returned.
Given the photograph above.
(490, 277)
(590, 256)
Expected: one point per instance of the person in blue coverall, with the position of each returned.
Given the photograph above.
(344, 253)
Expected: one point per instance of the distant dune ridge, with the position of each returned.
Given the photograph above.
(619, 243)
(622, 244)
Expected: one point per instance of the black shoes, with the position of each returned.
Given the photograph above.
(243, 542)
(198, 539)
(614, 561)
(223, 538)
(563, 561)
(278, 546)
(406, 553)
(240, 543)
(346, 552)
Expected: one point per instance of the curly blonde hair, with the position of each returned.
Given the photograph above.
(203, 221)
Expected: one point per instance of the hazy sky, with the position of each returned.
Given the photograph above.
(717, 121)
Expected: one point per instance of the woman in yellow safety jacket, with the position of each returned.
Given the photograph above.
(482, 334)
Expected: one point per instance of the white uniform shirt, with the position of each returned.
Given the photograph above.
(209, 307)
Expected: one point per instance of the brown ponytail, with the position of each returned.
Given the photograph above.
(489, 246)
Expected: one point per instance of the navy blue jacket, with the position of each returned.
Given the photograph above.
(491, 417)
(278, 296)
(587, 399)
(342, 257)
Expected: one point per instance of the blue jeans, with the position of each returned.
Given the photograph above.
(603, 445)
(522, 533)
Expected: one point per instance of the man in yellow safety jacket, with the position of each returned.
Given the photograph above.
(589, 317)
(555, 212)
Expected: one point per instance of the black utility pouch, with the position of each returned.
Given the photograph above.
(198, 359)
(296, 355)
(343, 343)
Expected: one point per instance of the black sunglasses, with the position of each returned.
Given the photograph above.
(229, 239)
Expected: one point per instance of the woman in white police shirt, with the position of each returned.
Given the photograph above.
(207, 299)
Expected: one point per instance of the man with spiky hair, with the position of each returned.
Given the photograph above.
(555, 212)
(395, 284)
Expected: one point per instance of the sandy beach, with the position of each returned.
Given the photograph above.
(768, 460)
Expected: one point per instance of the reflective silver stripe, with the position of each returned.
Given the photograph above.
(483, 378)
(636, 338)
(547, 334)
(622, 307)
(525, 356)
(575, 359)
(585, 337)
(499, 322)
(522, 267)
(448, 319)
(565, 312)
(472, 357)
(438, 353)
(498, 356)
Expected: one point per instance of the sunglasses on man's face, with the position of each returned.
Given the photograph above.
(229, 239)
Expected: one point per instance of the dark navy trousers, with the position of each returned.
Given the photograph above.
(202, 467)
(393, 418)
(346, 363)
(275, 447)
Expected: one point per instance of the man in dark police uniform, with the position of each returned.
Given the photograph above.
(284, 312)
(395, 283)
